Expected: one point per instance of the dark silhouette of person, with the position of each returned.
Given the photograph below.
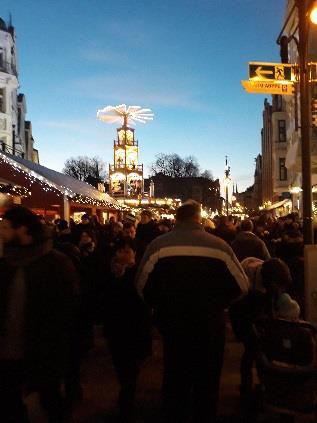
(189, 277)
(37, 298)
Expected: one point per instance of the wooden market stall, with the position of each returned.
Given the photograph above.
(52, 194)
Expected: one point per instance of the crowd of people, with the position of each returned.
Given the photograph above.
(58, 280)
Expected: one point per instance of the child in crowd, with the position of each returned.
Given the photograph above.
(276, 279)
(126, 324)
(269, 281)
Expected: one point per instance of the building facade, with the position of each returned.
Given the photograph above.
(293, 155)
(15, 132)
(267, 156)
(279, 149)
(275, 176)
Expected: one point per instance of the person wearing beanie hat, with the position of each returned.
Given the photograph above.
(252, 268)
(130, 218)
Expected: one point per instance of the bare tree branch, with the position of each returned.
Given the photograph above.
(84, 168)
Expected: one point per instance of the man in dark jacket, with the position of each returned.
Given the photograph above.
(247, 244)
(146, 231)
(189, 277)
(37, 292)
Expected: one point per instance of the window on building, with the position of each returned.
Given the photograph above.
(283, 169)
(282, 130)
(2, 100)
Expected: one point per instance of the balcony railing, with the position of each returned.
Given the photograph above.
(119, 166)
(134, 143)
(7, 149)
(8, 68)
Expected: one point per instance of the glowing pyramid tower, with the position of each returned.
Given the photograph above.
(125, 174)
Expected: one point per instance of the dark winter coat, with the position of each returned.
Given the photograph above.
(51, 287)
(247, 244)
(126, 317)
(190, 276)
(225, 232)
(145, 233)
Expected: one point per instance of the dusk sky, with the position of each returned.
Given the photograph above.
(184, 59)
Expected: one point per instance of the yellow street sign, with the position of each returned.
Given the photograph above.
(260, 71)
(267, 87)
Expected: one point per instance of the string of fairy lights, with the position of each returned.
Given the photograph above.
(30, 175)
(49, 186)
(14, 190)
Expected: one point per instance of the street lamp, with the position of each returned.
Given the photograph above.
(313, 13)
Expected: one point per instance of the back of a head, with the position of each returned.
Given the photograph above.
(128, 225)
(147, 213)
(123, 243)
(190, 211)
(62, 225)
(252, 267)
(21, 216)
(246, 225)
(130, 218)
(223, 221)
(276, 270)
(85, 218)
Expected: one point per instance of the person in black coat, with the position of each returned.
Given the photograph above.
(126, 324)
(189, 277)
(38, 289)
(247, 244)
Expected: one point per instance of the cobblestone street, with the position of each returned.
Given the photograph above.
(101, 388)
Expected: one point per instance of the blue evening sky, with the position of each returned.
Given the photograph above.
(184, 59)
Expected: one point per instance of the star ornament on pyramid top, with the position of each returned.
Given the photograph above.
(125, 114)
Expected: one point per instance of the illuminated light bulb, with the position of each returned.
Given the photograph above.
(313, 14)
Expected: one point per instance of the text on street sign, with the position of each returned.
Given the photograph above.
(267, 87)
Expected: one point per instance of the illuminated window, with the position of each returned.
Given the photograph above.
(129, 136)
(283, 169)
(281, 130)
(121, 135)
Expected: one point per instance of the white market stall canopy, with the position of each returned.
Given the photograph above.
(279, 204)
(71, 187)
